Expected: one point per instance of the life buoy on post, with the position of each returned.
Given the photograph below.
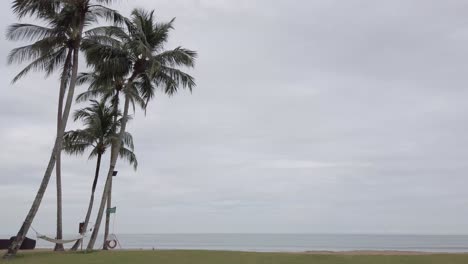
(111, 243)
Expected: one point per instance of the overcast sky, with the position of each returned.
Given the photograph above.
(309, 116)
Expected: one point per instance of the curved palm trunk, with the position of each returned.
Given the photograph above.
(91, 202)
(58, 166)
(13, 249)
(113, 162)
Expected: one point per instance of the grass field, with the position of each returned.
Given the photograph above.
(212, 257)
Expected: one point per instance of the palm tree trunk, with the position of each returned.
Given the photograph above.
(58, 166)
(109, 205)
(113, 162)
(91, 202)
(109, 197)
(59, 247)
(13, 249)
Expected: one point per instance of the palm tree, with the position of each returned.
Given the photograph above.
(98, 135)
(55, 46)
(108, 89)
(137, 54)
(51, 49)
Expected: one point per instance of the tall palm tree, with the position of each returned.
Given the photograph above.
(54, 46)
(108, 89)
(137, 53)
(98, 135)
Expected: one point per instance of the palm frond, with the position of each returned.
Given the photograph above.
(47, 62)
(138, 51)
(28, 32)
(177, 57)
(127, 140)
(171, 78)
(111, 15)
(35, 50)
(76, 142)
(40, 8)
(118, 33)
(128, 155)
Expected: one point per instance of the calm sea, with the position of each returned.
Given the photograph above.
(291, 242)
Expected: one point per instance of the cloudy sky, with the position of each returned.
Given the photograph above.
(309, 116)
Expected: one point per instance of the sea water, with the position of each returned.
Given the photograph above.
(289, 242)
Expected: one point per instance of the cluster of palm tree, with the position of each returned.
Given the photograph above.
(126, 59)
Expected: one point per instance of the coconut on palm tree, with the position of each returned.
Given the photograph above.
(136, 54)
(56, 45)
(100, 126)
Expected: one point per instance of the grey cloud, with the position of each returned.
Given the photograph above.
(309, 116)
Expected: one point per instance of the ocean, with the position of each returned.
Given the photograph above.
(289, 242)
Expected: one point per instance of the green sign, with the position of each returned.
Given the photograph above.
(112, 210)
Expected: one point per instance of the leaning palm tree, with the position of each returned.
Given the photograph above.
(100, 126)
(137, 54)
(54, 47)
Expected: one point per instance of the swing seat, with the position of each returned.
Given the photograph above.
(28, 244)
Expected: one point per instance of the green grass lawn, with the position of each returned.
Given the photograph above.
(213, 257)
